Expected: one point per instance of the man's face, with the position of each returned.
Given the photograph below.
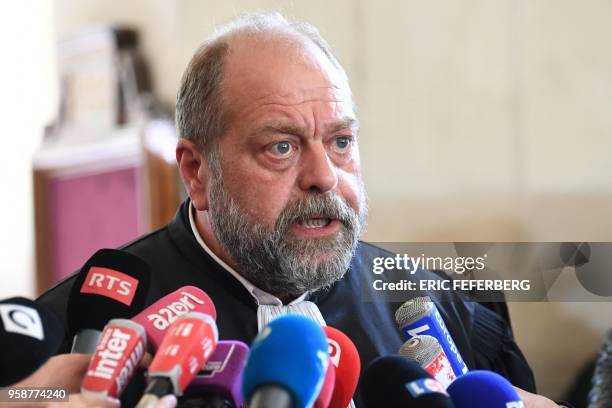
(290, 204)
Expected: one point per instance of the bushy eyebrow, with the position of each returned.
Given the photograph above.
(280, 127)
(292, 129)
(347, 122)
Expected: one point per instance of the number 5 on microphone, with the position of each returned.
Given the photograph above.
(418, 330)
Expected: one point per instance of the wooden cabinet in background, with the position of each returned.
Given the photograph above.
(101, 194)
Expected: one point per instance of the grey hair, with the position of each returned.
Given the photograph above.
(199, 102)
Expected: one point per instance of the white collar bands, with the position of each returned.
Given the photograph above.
(269, 306)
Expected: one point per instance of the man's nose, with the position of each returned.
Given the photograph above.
(318, 174)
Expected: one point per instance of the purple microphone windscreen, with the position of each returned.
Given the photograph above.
(222, 375)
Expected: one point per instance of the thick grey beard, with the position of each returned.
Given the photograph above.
(278, 262)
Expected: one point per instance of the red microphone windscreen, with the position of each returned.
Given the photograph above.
(159, 316)
(186, 347)
(327, 390)
(343, 354)
(118, 353)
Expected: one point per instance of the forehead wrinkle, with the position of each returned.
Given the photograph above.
(289, 125)
(282, 127)
(347, 122)
(302, 96)
(300, 102)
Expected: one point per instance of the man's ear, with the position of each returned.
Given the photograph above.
(194, 172)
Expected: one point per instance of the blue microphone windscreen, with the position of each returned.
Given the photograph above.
(483, 389)
(291, 352)
(396, 382)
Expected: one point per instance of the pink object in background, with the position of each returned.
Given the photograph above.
(88, 212)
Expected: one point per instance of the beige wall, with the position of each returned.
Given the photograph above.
(458, 97)
(481, 120)
(27, 104)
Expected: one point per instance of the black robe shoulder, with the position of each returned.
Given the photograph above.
(482, 334)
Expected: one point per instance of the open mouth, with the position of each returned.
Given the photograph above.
(313, 223)
(316, 227)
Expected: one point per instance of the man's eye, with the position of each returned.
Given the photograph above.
(281, 148)
(343, 142)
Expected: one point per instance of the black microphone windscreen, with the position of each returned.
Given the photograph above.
(29, 335)
(112, 284)
(601, 393)
(396, 382)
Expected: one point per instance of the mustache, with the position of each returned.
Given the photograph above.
(329, 205)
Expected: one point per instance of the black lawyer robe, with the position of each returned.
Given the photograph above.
(483, 336)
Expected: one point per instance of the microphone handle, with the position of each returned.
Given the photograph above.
(85, 341)
(204, 401)
(158, 387)
(270, 396)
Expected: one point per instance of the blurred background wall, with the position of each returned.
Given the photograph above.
(481, 120)
(28, 79)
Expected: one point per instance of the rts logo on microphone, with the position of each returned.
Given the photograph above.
(110, 283)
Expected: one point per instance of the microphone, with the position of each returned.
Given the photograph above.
(186, 347)
(160, 315)
(29, 335)
(601, 393)
(344, 356)
(428, 353)
(394, 382)
(118, 352)
(219, 383)
(112, 284)
(421, 316)
(327, 390)
(486, 389)
(286, 365)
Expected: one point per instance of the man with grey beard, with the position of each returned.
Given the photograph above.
(269, 156)
(275, 259)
